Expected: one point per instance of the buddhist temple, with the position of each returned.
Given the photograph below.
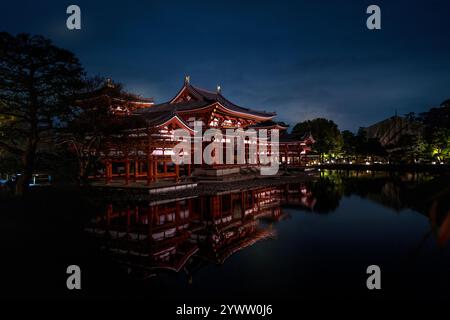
(143, 150)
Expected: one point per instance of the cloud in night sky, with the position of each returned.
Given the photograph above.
(301, 59)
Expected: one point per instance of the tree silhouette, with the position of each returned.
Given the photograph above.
(325, 132)
(36, 79)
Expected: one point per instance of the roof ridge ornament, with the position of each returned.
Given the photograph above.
(109, 83)
(187, 79)
(219, 89)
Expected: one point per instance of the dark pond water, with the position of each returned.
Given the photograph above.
(289, 242)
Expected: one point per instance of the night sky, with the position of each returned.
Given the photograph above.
(302, 59)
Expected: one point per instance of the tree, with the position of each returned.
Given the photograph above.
(437, 130)
(412, 147)
(325, 132)
(349, 144)
(440, 144)
(7, 163)
(36, 79)
(438, 116)
(103, 111)
(369, 147)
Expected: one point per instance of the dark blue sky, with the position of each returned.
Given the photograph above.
(302, 59)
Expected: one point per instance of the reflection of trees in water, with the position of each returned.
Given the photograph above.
(328, 195)
(427, 194)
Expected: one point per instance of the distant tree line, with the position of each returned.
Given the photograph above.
(429, 144)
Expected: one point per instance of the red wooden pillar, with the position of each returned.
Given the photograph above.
(108, 172)
(155, 170)
(215, 206)
(149, 158)
(189, 170)
(136, 170)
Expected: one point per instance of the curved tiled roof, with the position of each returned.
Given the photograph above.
(173, 107)
(218, 97)
(294, 137)
(270, 123)
(202, 98)
(113, 92)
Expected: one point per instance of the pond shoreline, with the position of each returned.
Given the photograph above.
(432, 168)
(201, 188)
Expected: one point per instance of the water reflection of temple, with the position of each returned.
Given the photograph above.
(155, 235)
(165, 235)
(299, 195)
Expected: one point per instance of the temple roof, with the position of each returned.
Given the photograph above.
(268, 124)
(192, 98)
(114, 92)
(221, 254)
(152, 120)
(294, 137)
(172, 108)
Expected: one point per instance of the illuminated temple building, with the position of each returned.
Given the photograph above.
(143, 151)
